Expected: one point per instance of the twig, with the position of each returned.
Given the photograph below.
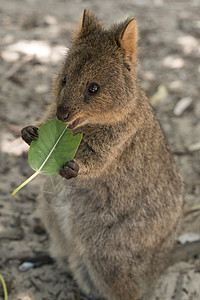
(13, 127)
(191, 209)
(12, 234)
(185, 252)
(179, 287)
(195, 268)
(14, 69)
(180, 153)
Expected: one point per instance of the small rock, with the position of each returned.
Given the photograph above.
(188, 237)
(160, 95)
(10, 56)
(13, 146)
(194, 147)
(41, 88)
(158, 3)
(181, 106)
(25, 266)
(50, 20)
(173, 62)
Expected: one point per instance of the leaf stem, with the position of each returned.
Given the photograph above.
(24, 183)
(4, 287)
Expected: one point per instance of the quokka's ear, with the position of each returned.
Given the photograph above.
(89, 23)
(127, 37)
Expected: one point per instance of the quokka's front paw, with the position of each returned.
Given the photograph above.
(70, 170)
(29, 134)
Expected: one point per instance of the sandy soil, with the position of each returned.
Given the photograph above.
(34, 35)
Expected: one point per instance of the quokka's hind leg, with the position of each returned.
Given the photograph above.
(81, 275)
(58, 243)
(53, 209)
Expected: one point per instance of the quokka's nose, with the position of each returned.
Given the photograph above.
(63, 114)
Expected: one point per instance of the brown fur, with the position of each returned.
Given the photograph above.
(122, 212)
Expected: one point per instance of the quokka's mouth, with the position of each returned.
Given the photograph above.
(73, 124)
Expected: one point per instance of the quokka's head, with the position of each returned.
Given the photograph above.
(96, 84)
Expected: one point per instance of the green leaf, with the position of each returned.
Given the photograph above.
(54, 147)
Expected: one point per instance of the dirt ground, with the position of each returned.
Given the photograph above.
(33, 37)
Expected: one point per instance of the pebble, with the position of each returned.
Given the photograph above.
(41, 89)
(188, 237)
(10, 56)
(25, 266)
(194, 147)
(182, 105)
(160, 95)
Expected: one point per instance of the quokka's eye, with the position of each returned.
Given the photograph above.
(64, 80)
(93, 88)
